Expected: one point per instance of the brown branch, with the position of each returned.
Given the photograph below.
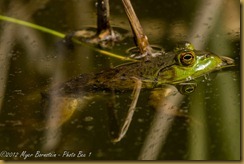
(140, 37)
(103, 16)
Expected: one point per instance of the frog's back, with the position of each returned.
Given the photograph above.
(118, 78)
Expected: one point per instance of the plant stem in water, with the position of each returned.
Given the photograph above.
(103, 14)
(140, 37)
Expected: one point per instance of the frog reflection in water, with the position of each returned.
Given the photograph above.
(182, 64)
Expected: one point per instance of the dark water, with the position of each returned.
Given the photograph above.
(32, 61)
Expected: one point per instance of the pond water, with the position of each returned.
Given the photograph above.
(207, 127)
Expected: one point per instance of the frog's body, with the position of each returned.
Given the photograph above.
(183, 64)
(120, 77)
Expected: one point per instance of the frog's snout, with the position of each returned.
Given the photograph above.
(227, 62)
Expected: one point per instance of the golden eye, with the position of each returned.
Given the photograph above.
(187, 58)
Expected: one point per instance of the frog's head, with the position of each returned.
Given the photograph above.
(190, 64)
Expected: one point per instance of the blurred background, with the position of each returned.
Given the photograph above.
(32, 61)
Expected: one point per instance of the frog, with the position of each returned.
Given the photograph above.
(181, 65)
(150, 69)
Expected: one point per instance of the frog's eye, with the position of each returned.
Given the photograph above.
(187, 58)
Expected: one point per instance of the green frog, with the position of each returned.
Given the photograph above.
(178, 66)
(182, 64)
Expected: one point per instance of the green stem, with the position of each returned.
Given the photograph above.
(31, 25)
(60, 35)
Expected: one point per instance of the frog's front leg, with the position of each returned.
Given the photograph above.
(128, 118)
